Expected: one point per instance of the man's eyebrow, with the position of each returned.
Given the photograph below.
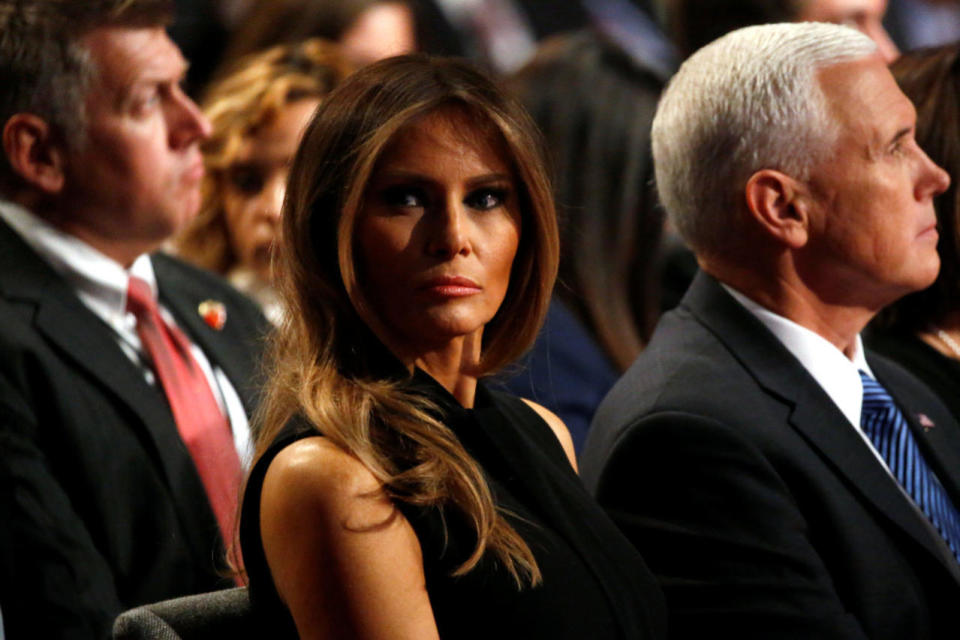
(152, 76)
(902, 133)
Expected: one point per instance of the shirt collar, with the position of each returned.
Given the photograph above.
(836, 374)
(100, 281)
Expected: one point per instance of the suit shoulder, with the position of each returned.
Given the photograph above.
(176, 273)
(685, 367)
(174, 269)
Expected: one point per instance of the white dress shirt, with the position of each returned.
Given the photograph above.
(101, 284)
(837, 375)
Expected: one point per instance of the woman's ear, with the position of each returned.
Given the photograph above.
(775, 201)
(34, 152)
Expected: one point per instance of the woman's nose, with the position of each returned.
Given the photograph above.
(272, 197)
(448, 236)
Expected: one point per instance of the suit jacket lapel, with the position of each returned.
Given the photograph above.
(813, 413)
(91, 346)
(940, 444)
(220, 346)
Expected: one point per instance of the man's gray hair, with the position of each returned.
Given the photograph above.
(750, 100)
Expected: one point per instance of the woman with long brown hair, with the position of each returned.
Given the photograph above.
(394, 494)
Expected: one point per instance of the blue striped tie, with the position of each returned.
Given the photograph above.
(890, 434)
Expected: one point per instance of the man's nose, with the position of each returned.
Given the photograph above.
(187, 123)
(934, 181)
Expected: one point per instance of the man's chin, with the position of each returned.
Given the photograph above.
(182, 219)
(921, 279)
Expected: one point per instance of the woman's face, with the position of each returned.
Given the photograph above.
(255, 183)
(438, 231)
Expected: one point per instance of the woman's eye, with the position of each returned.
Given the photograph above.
(485, 199)
(246, 180)
(404, 197)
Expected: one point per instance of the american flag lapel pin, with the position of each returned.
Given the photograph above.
(214, 313)
(925, 421)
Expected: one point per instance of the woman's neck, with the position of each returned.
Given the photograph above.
(454, 365)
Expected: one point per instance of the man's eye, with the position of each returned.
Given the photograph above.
(485, 199)
(145, 102)
(405, 197)
(899, 148)
(247, 180)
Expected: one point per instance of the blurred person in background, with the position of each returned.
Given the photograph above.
(395, 495)
(694, 23)
(594, 105)
(921, 331)
(919, 24)
(258, 112)
(366, 30)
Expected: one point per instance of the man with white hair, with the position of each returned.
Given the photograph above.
(780, 481)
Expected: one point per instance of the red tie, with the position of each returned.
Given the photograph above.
(202, 425)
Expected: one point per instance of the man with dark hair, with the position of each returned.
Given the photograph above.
(126, 378)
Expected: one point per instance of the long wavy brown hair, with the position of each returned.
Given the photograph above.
(325, 360)
(594, 105)
(245, 98)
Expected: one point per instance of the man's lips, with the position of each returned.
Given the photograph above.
(450, 286)
(930, 230)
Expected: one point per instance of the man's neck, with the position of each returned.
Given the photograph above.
(791, 298)
(122, 250)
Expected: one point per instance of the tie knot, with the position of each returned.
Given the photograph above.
(140, 298)
(875, 397)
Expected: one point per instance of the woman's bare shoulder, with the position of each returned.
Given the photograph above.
(315, 473)
(342, 556)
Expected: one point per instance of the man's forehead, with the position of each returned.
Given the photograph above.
(858, 77)
(126, 56)
(864, 99)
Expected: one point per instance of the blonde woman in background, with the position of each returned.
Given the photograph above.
(258, 110)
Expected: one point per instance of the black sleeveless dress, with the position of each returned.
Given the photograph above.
(595, 585)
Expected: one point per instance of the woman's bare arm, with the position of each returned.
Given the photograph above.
(345, 561)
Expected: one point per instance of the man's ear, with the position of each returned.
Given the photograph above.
(34, 152)
(774, 200)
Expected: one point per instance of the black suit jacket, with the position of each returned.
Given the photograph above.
(761, 510)
(101, 507)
